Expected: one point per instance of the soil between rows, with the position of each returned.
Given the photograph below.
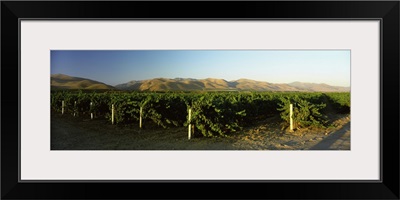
(82, 133)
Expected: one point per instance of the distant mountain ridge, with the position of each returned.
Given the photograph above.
(213, 84)
(61, 81)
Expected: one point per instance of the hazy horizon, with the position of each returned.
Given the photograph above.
(115, 67)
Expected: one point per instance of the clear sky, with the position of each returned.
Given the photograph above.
(120, 66)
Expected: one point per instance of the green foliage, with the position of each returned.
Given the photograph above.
(305, 114)
(213, 113)
(340, 101)
(216, 114)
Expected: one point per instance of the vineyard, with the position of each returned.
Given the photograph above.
(209, 113)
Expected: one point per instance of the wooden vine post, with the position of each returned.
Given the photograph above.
(291, 117)
(91, 109)
(140, 117)
(112, 114)
(62, 107)
(189, 126)
(74, 108)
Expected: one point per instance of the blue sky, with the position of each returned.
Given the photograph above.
(120, 66)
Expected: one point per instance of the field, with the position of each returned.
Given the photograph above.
(217, 120)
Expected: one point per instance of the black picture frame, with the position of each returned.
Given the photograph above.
(386, 11)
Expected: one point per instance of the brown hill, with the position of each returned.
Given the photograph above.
(61, 81)
(213, 84)
(321, 87)
(247, 84)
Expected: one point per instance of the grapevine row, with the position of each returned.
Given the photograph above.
(213, 113)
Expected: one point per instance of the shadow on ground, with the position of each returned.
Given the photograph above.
(338, 140)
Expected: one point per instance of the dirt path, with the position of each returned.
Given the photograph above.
(69, 133)
(338, 140)
(271, 138)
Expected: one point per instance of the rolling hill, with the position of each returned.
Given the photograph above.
(213, 84)
(322, 87)
(61, 81)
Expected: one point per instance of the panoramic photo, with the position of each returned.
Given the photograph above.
(200, 99)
